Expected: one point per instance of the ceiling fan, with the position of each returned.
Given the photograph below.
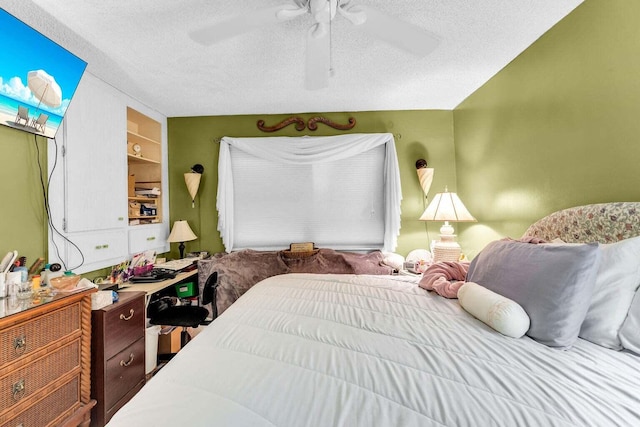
(318, 56)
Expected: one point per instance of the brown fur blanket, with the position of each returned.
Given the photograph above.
(239, 271)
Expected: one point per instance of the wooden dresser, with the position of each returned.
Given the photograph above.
(45, 361)
(118, 354)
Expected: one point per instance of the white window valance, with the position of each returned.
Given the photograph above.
(341, 192)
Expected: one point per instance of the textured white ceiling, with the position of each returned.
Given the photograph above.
(142, 47)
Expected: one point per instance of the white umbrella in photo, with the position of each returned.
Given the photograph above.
(44, 87)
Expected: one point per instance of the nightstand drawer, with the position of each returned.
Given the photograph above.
(125, 325)
(31, 336)
(124, 371)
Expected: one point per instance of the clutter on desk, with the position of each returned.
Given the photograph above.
(142, 263)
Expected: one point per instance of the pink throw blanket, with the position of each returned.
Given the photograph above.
(445, 278)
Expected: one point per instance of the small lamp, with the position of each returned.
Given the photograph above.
(446, 207)
(181, 232)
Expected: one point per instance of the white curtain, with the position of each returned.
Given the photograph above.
(301, 152)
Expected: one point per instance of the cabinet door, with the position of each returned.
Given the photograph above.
(147, 237)
(97, 249)
(95, 158)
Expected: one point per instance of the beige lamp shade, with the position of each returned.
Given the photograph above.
(192, 179)
(181, 232)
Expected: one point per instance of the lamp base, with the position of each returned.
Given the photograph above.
(181, 248)
(445, 251)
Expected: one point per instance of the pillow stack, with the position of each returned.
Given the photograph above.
(568, 290)
(553, 284)
(616, 285)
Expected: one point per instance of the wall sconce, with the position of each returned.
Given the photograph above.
(446, 207)
(425, 175)
(192, 179)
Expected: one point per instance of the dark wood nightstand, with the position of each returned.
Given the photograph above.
(117, 354)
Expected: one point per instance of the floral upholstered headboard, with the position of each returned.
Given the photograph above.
(601, 222)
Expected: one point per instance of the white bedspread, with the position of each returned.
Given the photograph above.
(340, 350)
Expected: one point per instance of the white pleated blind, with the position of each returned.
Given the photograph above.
(335, 204)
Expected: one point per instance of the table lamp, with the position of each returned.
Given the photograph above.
(446, 207)
(181, 232)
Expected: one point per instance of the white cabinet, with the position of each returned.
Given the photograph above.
(88, 189)
(98, 247)
(145, 237)
(95, 158)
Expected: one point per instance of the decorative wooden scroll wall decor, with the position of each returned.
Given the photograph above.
(312, 124)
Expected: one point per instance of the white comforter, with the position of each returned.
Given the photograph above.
(340, 350)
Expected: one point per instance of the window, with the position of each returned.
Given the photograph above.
(339, 192)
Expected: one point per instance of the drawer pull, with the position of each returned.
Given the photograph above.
(19, 345)
(18, 390)
(128, 362)
(123, 317)
(149, 239)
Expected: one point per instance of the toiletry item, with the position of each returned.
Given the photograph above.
(35, 267)
(35, 282)
(46, 278)
(24, 272)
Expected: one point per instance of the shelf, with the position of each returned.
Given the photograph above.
(145, 170)
(137, 159)
(143, 199)
(136, 137)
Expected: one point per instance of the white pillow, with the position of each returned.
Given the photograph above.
(393, 260)
(630, 332)
(617, 281)
(418, 255)
(502, 314)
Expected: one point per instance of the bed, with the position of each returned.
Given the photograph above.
(308, 349)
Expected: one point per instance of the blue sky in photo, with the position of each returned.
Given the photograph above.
(24, 49)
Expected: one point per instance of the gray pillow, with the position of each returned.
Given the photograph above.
(553, 284)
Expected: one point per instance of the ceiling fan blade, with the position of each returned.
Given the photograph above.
(245, 23)
(395, 31)
(318, 57)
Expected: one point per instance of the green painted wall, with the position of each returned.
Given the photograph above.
(558, 127)
(419, 134)
(22, 223)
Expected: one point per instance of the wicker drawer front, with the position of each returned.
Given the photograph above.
(44, 412)
(27, 337)
(124, 371)
(22, 383)
(125, 326)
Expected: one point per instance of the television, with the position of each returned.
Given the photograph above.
(38, 78)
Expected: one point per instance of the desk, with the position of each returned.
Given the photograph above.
(153, 287)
